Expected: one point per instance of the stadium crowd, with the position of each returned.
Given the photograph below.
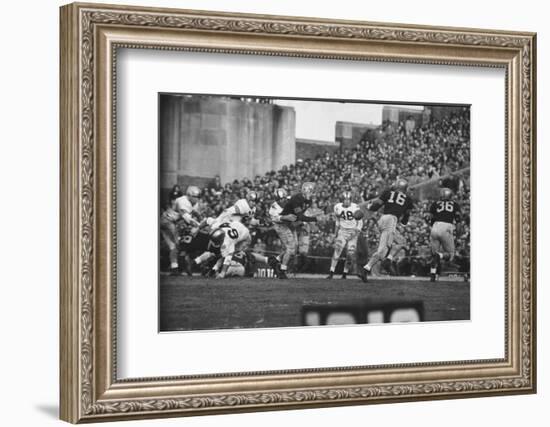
(430, 152)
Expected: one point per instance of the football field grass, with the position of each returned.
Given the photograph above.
(199, 303)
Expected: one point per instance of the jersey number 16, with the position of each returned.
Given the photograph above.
(397, 197)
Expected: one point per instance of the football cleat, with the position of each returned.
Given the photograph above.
(363, 274)
(344, 275)
(330, 275)
(274, 264)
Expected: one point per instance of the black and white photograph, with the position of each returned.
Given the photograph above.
(281, 212)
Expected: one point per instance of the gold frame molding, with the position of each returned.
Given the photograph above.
(90, 36)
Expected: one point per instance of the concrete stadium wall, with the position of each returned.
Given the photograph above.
(310, 149)
(201, 137)
(349, 134)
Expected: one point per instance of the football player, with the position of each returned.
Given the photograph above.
(169, 230)
(230, 237)
(211, 252)
(347, 229)
(193, 241)
(275, 211)
(241, 209)
(444, 213)
(397, 206)
(293, 212)
(187, 205)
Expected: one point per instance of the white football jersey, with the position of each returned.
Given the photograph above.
(235, 232)
(184, 204)
(345, 216)
(240, 209)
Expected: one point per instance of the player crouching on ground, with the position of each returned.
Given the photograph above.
(228, 244)
(292, 213)
(397, 207)
(227, 238)
(243, 263)
(443, 214)
(347, 230)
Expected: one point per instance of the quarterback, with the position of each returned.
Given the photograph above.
(397, 207)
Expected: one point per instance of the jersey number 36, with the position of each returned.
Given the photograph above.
(445, 206)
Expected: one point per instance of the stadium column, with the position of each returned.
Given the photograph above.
(201, 137)
(283, 149)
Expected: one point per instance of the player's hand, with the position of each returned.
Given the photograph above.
(289, 217)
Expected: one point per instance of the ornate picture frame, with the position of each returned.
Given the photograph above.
(90, 37)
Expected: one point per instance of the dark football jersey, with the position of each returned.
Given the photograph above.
(197, 244)
(444, 211)
(396, 202)
(246, 260)
(297, 205)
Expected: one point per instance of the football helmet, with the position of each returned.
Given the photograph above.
(346, 198)
(446, 193)
(281, 194)
(307, 189)
(193, 191)
(217, 237)
(401, 185)
(252, 196)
